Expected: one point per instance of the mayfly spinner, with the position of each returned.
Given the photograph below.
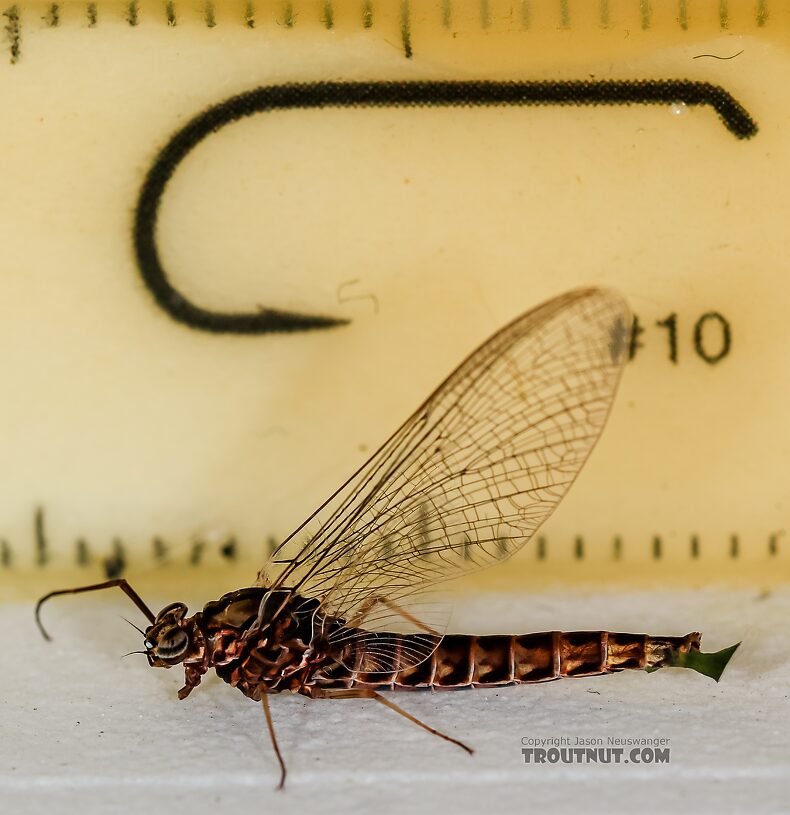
(463, 483)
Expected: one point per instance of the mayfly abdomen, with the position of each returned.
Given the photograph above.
(463, 661)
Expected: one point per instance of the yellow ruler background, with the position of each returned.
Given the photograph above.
(131, 437)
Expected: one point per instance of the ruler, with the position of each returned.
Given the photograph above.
(242, 241)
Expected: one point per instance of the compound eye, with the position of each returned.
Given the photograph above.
(172, 643)
(175, 611)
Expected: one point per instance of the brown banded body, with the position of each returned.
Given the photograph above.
(258, 660)
(467, 661)
(342, 610)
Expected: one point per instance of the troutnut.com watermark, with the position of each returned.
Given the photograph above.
(595, 750)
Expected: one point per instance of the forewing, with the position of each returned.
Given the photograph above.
(471, 475)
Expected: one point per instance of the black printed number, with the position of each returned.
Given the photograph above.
(711, 336)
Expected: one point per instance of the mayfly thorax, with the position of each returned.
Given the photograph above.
(462, 484)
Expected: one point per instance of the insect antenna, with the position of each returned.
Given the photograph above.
(136, 628)
(108, 584)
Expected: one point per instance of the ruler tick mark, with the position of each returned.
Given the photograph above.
(526, 14)
(683, 14)
(42, 556)
(761, 13)
(694, 546)
(367, 14)
(565, 14)
(447, 13)
(485, 14)
(53, 16)
(646, 14)
(93, 15)
(249, 15)
(158, 549)
(13, 33)
(328, 16)
(115, 564)
(603, 13)
(724, 14)
(288, 15)
(133, 13)
(170, 13)
(405, 29)
(209, 16)
(196, 555)
(81, 552)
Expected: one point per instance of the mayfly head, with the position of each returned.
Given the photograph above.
(169, 640)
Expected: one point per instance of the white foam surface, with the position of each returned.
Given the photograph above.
(84, 731)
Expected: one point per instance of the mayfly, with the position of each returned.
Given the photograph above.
(463, 483)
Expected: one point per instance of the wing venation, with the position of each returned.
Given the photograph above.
(473, 473)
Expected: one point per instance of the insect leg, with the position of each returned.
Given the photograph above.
(371, 602)
(270, 725)
(369, 693)
(107, 584)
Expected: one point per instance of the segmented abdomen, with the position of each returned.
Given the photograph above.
(462, 661)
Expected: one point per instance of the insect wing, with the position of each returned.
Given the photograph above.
(469, 477)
